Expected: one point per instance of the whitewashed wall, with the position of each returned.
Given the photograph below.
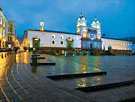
(116, 44)
(3, 25)
(46, 39)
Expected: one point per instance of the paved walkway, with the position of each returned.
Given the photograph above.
(22, 85)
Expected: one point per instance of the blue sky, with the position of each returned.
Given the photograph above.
(117, 16)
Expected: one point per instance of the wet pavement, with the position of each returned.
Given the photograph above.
(21, 82)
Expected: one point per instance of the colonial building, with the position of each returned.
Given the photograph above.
(8, 37)
(54, 39)
(86, 37)
(91, 37)
(3, 29)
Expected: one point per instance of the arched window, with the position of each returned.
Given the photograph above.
(61, 37)
(53, 42)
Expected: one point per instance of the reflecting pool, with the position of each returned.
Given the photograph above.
(118, 68)
(20, 80)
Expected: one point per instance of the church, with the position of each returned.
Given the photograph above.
(85, 38)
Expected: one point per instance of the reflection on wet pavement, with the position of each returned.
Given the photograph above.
(84, 64)
(22, 81)
(82, 82)
(6, 61)
(23, 58)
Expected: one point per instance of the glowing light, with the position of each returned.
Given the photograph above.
(5, 64)
(23, 57)
(42, 24)
(85, 35)
(17, 58)
(36, 39)
(4, 39)
(26, 58)
(83, 68)
(82, 82)
(81, 23)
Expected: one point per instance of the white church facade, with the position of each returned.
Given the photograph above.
(56, 39)
(86, 37)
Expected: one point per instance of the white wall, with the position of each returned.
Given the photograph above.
(116, 44)
(46, 39)
(4, 26)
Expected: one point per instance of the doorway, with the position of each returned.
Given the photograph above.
(36, 43)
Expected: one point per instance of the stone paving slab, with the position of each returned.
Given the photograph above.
(44, 91)
(128, 100)
(113, 95)
(51, 93)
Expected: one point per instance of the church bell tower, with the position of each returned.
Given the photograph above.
(82, 26)
(97, 26)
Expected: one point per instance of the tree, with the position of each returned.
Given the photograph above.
(69, 42)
